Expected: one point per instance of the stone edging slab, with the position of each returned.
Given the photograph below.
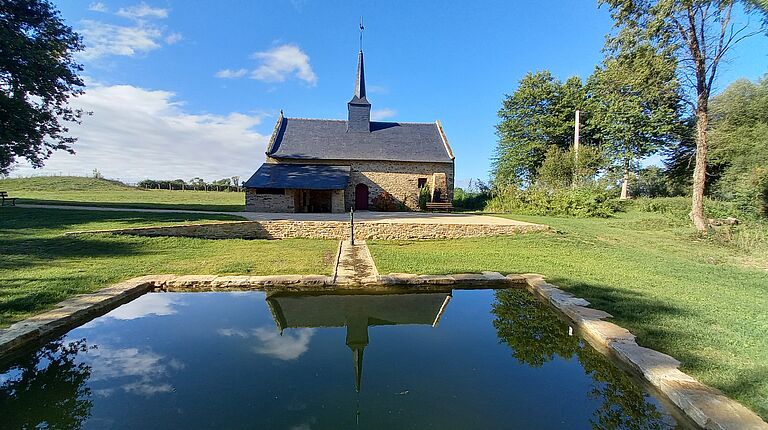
(705, 406)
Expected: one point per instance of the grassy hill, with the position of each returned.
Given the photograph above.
(81, 191)
(61, 183)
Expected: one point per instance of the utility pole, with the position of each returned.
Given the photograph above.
(576, 125)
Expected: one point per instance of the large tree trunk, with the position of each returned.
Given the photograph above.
(700, 171)
(625, 182)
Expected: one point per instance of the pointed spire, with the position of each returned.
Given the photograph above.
(359, 97)
(358, 355)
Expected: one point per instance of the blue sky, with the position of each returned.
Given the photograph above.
(192, 88)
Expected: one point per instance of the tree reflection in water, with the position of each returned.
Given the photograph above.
(536, 336)
(47, 389)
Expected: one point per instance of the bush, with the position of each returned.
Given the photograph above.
(581, 202)
(651, 181)
(679, 208)
(423, 198)
(470, 200)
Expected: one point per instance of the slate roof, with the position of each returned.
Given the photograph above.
(324, 139)
(303, 176)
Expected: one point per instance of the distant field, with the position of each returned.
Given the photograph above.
(69, 190)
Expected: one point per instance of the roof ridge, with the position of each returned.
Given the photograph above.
(316, 119)
(344, 120)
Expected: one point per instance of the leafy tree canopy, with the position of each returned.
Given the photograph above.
(633, 99)
(538, 115)
(38, 75)
(739, 143)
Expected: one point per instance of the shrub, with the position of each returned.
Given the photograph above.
(679, 208)
(580, 202)
(470, 200)
(423, 198)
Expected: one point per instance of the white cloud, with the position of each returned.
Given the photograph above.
(281, 62)
(283, 346)
(141, 36)
(136, 133)
(145, 367)
(376, 89)
(103, 39)
(142, 10)
(98, 7)
(173, 38)
(229, 73)
(384, 113)
(233, 332)
(277, 65)
(157, 304)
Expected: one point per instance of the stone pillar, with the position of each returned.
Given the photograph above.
(337, 201)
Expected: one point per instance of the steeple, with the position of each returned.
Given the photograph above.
(359, 109)
(359, 96)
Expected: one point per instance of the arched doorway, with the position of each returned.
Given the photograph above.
(361, 197)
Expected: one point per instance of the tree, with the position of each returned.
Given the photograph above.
(223, 182)
(700, 33)
(739, 144)
(634, 102)
(561, 170)
(38, 76)
(538, 115)
(47, 388)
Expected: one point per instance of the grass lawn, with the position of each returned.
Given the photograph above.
(39, 266)
(64, 190)
(701, 302)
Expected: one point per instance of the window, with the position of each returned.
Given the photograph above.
(269, 190)
(422, 182)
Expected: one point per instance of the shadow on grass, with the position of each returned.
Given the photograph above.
(23, 253)
(13, 219)
(632, 309)
(22, 296)
(139, 205)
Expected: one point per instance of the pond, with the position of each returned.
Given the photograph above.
(445, 360)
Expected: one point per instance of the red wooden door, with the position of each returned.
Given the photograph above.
(361, 197)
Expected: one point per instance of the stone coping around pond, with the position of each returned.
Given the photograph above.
(364, 230)
(705, 406)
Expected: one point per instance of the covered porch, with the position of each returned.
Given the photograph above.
(297, 188)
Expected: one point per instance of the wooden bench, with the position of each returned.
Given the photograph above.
(4, 197)
(439, 206)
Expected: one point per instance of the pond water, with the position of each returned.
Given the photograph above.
(461, 360)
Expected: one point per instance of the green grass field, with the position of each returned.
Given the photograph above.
(68, 190)
(39, 266)
(696, 300)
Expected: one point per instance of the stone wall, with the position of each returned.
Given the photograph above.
(255, 202)
(399, 178)
(328, 230)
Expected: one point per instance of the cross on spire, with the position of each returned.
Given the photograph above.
(361, 33)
